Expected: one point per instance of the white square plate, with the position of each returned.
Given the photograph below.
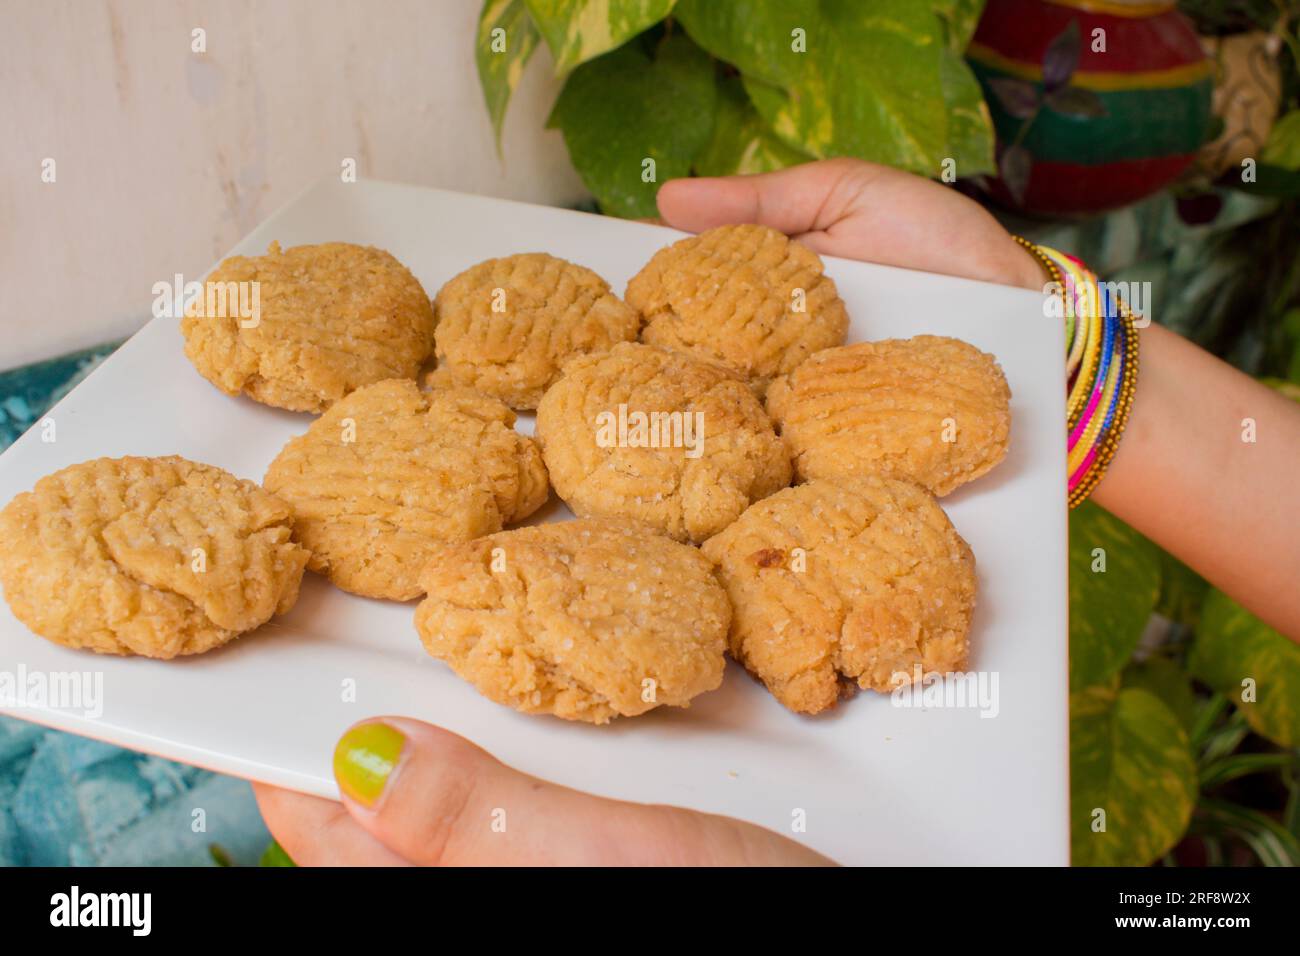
(875, 783)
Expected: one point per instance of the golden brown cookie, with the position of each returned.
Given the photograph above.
(330, 319)
(745, 297)
(644, 433)
(929, 409)
(150, 556)
(859, 581)
(390, 474)
(586, 620)
(507, 326)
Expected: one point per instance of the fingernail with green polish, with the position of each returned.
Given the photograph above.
(364, 759)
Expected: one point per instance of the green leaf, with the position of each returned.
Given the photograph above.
(219, 855)
(1108, 609)
(1291, 326)
(959, 19)
(274, 855)
(623, 108)
(501, 57)
(581, 30)
(1283, 146)
(1290, 389)
(1164, 679)
(741, 141)
(1182, 591)
(867, 83)
(1223, 740)
(1268, 839)
(1270, 181)
(1287, 343)
(970, 127)
(1235, 766)
(1209, 711)
(1130, 758)
(1232, 647)
(1291, 812)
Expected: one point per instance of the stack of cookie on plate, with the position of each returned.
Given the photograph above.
(672, 422)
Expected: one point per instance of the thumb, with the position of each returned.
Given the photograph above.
(437, 799)
(801, 199)
(858, 210)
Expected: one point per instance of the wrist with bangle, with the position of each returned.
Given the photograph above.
(1101, 344)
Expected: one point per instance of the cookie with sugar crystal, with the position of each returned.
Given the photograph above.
(929, 409)
(391, 474)
(156, 557)
(863, 582)
(745, 297)
(329, 319)
(507, 326)
(655, 436)
(585, 620)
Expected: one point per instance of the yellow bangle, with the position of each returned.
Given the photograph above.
(1101, 368)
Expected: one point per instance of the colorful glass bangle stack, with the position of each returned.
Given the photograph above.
(1101, 346)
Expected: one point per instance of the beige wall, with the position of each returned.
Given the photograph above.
(166, 157)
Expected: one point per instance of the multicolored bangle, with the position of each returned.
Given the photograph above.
(1101, 360)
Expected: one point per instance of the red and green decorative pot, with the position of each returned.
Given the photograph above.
(1096, 103)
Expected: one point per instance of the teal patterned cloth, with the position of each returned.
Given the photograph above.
(67, 800)
(27, 392)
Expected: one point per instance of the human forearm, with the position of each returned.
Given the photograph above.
(1187, 476)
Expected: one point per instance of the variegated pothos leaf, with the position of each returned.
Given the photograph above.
(505, 40)
(581, 30)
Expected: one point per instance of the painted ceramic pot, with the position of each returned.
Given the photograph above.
(1096, 103)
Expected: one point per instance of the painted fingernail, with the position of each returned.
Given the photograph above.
(364, 760)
